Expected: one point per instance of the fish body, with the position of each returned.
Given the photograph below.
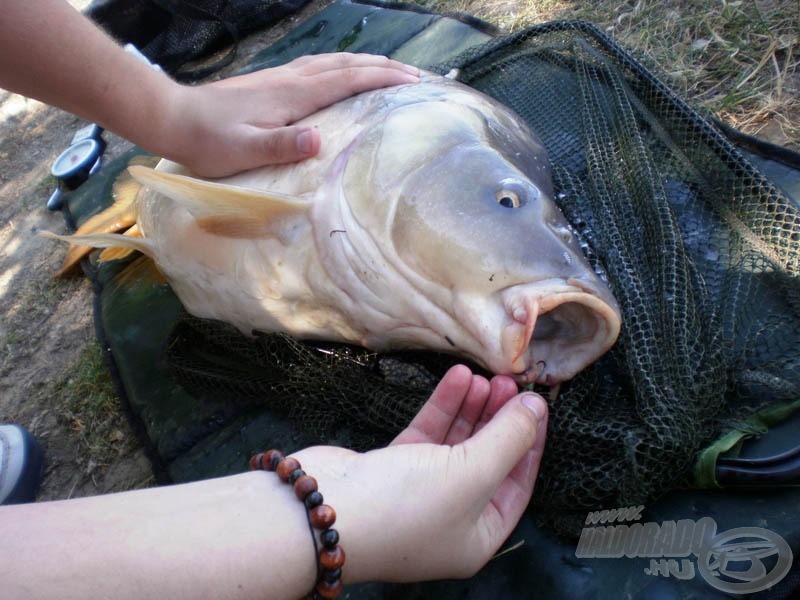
(427, 221)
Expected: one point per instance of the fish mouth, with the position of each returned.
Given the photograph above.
(556, 329)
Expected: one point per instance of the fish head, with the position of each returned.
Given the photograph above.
(464, 196)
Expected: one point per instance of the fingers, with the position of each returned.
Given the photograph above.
(338, 76)
(435, 417)
(515, 491)
(459, 406)
(319, 63)
(503, 441)
(333, 86)
(283, 145)
(463, 423)
(329, 78)
(502, 390)
(511, 447)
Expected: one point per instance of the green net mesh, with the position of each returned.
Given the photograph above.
(702, 253)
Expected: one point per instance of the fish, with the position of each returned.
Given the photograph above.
(427, 221)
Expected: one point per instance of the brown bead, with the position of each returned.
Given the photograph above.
(331, 558)
(304, 485)
(329, 590)
(255, 461)
(286, 467)
(322, 516)
(269, 457)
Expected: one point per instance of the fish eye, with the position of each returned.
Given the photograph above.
(508, 198)
(513, 193)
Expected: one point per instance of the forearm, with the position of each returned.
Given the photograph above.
(51, 52)
(244, 536)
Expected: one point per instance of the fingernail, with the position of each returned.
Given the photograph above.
(305, 142)
(410, 69)
(535, 403)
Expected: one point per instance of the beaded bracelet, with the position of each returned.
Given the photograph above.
(320, 516)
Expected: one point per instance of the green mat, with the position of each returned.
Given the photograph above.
(196, 435)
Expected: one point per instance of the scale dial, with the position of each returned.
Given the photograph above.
(76, 160)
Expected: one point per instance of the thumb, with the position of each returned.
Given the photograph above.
(285, 145)
(518, 427)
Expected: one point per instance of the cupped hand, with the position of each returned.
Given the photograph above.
(441, 499)
(244, 122)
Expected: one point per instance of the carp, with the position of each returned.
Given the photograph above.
(427, 221)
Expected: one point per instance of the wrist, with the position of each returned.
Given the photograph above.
(170, 130)
(284, 563)
(395, 524)
(358, 519)
(329, 556)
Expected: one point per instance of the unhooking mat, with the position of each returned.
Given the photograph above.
(201, 395)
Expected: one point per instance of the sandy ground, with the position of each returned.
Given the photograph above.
(46, 324)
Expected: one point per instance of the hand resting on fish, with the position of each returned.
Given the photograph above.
(426, 221)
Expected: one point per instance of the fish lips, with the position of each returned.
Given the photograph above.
(554, 329)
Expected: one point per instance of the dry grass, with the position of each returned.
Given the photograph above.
(738, 60)
(508, 15)
(90, 410)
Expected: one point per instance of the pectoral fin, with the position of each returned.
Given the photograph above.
(220, 208)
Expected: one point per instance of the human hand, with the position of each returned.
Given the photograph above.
(441, 499)
(244, 122)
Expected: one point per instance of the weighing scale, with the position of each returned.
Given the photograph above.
(82, 159)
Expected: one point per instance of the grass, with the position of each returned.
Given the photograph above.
(738, 60)
(509, 15)
(91, 409)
